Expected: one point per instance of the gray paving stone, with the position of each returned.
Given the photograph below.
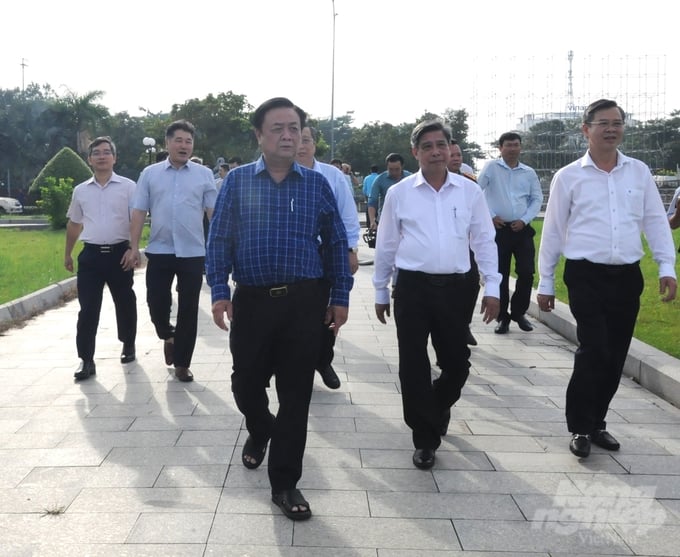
(192, 476)
(170, 528)
(444, 505)
(50, 549)
(529, 462)
(138, 500)
(475, 481)
(91, 476)
(497, 535)
(445, 460)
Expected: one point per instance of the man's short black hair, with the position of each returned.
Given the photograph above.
(236, 160)
(394, 157)
(98, 141)
(258, 116)
(374, 168)
(183, 125)
(601, 104)
(429, 126)
(509, 136)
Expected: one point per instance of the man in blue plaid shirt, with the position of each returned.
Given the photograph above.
(265, 232)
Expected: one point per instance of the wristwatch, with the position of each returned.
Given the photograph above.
(354, 250)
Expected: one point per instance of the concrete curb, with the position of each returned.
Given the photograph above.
(37, 302)
(653, 369)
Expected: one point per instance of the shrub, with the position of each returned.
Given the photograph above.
(65, 164)
(56, 196)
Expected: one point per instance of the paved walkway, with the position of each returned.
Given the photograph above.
(135, 463)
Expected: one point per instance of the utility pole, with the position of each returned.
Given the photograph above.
(24, 65)
(333, 88)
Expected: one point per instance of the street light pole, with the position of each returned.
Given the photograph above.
(333, 88)
(150, 144)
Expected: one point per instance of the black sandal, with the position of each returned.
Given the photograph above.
(254, 451)
(287, 499)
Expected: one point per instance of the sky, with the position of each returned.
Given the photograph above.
(394, 60)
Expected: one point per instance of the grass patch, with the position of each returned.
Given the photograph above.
(30, 260)
(658, 323)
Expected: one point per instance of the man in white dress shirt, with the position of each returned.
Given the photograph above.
(598, 207)
(428, 224)
(350, 218)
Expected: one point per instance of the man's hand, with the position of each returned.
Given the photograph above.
(498, 222)
(68, 263)
(517, 225)
(336, 317)
(668, 287)
(353, 262)
(491, 307)
(131, 259)
(546, 302)
(219, 308)
(381, 310)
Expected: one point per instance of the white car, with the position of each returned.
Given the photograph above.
(10, 205)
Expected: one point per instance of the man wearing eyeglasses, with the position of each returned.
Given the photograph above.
(99, 214)
(598, 207)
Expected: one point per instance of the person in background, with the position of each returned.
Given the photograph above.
(268, 220)
(221, 174)
(513, 193)
(99, 214)
(429, 222)
(385, 180)
(674, 210)
(366, 187)
(234, 162)
(177, 193)
(598, 207)
(350, 218)
(472, 277)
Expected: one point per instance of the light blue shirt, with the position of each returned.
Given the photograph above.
(368, 183)
(671, 206)
(177, 199)
(346, 205)
(511, 193)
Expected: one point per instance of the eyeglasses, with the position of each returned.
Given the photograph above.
(616, 124)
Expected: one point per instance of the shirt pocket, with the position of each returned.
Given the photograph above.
(635, 203)
(461, 222)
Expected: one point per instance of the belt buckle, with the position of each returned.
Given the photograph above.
(279, 291)
(105, 249)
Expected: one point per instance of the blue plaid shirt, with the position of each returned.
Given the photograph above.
(267, 234)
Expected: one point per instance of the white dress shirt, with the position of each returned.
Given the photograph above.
(599, 216)
(344, 198)
(422, 229)
(103, 210)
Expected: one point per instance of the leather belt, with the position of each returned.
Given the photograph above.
(433, 279)
(108, 248)
(278, 291)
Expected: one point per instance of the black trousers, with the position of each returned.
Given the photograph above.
(97, 267)
(521, 246)
(604, 300)
(161, 270)
(427, 307)
(472, 287)
(280, 333)
(327, 337)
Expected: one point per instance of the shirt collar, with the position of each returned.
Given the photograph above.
(260, 166)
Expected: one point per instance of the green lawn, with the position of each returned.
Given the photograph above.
(658, 323)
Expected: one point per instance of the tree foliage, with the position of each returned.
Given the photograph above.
(36, 123)
(55, 198)
(65, 164)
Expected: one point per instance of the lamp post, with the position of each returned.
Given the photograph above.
(333, 88)
(150, 144)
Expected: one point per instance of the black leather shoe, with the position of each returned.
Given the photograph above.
(523, 323)
(503, 326)
(470, 339)
(580, 445)
(85, 369)
(602, 438)
(444, 427)
(423, 458)
(184, 374)
(329, 377)
(128, 354)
